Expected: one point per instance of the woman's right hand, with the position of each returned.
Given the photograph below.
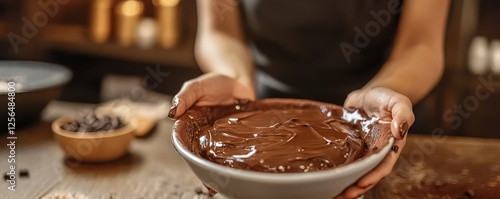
(208, 90)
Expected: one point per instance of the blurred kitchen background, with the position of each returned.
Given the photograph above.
(106, 42)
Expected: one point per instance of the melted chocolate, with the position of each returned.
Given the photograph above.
(285, 140)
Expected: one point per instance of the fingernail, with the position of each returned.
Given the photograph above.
(403, 129)
(351, 109)
(173, 109)
(364, 187)
(395, 148)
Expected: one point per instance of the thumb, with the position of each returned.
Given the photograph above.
(402, 116)
(187, 97)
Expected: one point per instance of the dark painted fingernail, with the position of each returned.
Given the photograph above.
(403, 129)
(395, 148)
(351, 109)
(173, 109)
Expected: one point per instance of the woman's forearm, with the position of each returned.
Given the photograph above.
(218, 52)
(416, 62)
(220, 43)
(414, 73)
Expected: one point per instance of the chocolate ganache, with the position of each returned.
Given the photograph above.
(285, 140)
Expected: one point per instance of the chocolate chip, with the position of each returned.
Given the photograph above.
(470, 193)
(114, 122)
(90, 119)
(80, 120)
(6, 176)
(70, 127)
(90, 122)
(83, 128)
(107, 127)
(106, 119)
(24, 173)
(97, 125)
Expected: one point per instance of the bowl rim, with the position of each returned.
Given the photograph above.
(68, 75)
(284, 178)
(56, 128)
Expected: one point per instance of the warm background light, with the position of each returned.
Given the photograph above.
(165, 2)
(128, 14)
(131, 8)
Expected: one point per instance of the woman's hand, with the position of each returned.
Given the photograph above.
(387, 105)
(208, 90)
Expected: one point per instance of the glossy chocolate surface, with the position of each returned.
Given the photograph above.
(292, 140)
(281, 135)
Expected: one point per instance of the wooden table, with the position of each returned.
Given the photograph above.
(445, 168)
(450, 167)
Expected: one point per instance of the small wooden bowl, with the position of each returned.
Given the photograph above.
(95, 146)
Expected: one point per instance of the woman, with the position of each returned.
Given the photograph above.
(381, 56)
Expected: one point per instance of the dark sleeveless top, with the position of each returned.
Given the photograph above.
(318, 49)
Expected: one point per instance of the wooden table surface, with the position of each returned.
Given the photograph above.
(448, 167)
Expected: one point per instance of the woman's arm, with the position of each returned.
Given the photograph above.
(220, 43)
(223, 55)
(416, 62)
(413, 69)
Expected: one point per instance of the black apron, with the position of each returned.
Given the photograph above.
(318, 49)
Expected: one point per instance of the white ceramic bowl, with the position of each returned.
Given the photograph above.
(237, 183)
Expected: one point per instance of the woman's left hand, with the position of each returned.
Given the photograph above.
(387, 105)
